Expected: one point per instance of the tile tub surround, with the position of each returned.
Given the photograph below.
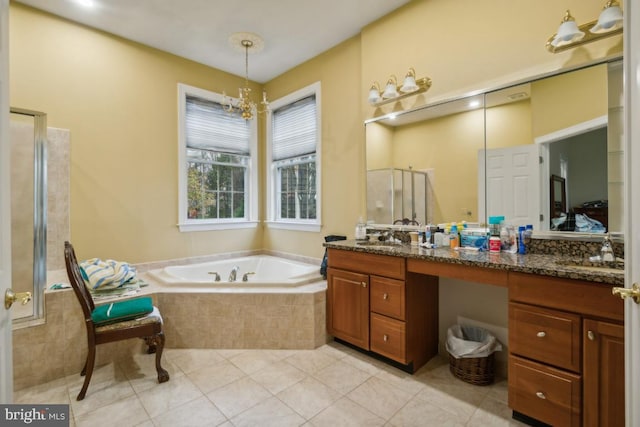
(192, 319)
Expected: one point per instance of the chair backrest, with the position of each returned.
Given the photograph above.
(77, 282)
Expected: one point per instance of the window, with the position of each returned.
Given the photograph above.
(217, 182)
(293, 138)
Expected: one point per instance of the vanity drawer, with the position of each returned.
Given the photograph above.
(387, 297)
(544, 393)
(545, 335)
(379, 265)
(388, 337)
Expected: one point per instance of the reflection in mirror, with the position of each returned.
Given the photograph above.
(567, 125)
(435, 148)
(571, 121)
(558, 198)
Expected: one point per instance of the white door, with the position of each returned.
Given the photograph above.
(632, 217)
(513, 184)
(6, 365)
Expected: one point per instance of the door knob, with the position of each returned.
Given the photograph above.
(10, 297)
(633, 292)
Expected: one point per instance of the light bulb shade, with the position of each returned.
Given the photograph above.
(391, 89)
(409, 84)
(610, 19)
(374, 93)
(568, 32)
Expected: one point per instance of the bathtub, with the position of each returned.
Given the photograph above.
(281, 306)
(265, 271)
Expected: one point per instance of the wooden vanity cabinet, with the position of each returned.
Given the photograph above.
(566, 351)
(374, 304)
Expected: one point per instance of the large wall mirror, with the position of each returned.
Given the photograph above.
(498, 153)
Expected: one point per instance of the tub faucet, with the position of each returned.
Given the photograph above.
(606, 252)
(234, 272)
(245, 276)
(215, 273)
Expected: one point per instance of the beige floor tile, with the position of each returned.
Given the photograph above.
(215, 376)
(198, 412)
(453, 395)
(380, 397)
(125, 412)
(346, 413)
(190, 360)
(308, 397)
(229, 353)
(53, 392)
(167, 396)
(141, 372)
(238, 396)
(363, 362)
(341, 376)
(403, 380)
(492, 412)
(253, 360)
(269, 413)
(418, 413)
(333, 385)
(311, 361)
(278, 376)
(108, 385)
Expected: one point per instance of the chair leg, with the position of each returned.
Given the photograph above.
(163, 375)
(151, 344)
(87, 371)
(84, 370)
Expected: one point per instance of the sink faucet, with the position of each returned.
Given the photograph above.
(234, 271)
(606, 252)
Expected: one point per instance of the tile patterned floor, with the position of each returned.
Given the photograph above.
(330, 386)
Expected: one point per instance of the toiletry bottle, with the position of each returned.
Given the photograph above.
(522, 248)
(528, 231)
(361, 230)
(454, 237)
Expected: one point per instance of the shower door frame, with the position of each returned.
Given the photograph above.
(39, 210)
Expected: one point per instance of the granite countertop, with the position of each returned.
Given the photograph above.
(542, 264)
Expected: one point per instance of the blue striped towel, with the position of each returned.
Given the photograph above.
(107, 274)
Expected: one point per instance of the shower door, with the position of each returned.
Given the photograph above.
(28, 210)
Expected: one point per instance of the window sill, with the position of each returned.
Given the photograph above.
(294, 226)
(212, 226)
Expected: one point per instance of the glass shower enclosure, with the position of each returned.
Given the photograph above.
(397, 196)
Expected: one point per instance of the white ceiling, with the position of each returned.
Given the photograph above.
(293, 30)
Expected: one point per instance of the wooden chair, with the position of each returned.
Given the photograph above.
(148, 328)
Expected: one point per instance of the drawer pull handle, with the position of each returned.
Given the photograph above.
(364, 284)
(540, 395)
(385, 296)
(541, 334)
(385, 338)
(591, 335)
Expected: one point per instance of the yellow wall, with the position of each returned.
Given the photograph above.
(568, 99)
(448, 145)
(119, 99)
(343, 151)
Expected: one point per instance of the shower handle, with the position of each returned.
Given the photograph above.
(10, 297)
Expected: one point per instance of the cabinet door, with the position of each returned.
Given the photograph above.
(348, 306)
(603, 373)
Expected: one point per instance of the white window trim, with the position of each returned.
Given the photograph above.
(185, 224)
(289, 224)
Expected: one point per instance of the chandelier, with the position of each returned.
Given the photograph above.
(244, 105)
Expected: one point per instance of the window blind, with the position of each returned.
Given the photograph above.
(209, 127)
(295, 129)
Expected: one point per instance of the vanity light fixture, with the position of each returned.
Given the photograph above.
(244, 105)
(393, 92)
(570, 34)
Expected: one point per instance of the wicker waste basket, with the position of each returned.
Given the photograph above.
(471, 352)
